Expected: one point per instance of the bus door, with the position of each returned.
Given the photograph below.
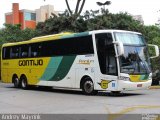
(106, 56)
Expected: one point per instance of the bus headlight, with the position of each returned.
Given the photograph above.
(124, 78)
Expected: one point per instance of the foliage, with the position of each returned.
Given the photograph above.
(152, 35)
(13, 33)
(90, 20)
(78, 9)
(63, 23)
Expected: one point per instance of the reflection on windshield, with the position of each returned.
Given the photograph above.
(129, 38)
(135, 60)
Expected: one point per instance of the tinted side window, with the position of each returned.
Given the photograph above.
(36, 50)
(6, 53)
(15, 52)
(69, 46)
(24, 51)
(84, 45)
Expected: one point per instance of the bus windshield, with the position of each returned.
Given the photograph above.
(135, 59)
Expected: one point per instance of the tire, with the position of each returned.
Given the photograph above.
(16, 82)
(88, 87)
(24, 83)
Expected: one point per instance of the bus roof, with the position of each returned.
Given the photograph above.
(63, 35)
(113, 30)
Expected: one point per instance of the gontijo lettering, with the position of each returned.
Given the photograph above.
(86, 61)
(30, 62)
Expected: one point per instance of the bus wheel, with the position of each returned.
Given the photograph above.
(24, 83)
(88, 87)
(15, 81)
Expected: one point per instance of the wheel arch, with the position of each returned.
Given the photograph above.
(83, 79)
(23, 75)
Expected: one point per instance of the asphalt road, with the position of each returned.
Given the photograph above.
(58, 101)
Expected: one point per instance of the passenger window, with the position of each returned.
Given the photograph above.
(15, 52)
(36, 50)
(24, 51)
(6, 53)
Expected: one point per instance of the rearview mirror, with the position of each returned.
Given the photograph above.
(156, 50)
(120, 48)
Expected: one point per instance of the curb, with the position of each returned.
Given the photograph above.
(154, 87)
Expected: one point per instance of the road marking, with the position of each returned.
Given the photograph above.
(113, 116)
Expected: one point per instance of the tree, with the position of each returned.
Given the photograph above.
(13, 33)
(78, 9)
(152, 36)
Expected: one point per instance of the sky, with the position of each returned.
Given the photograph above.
(149, 9)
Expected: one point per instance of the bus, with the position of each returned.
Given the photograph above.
(92, 61)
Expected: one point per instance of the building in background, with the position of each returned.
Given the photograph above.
(44, 12)
(138, 18)
(28, 18)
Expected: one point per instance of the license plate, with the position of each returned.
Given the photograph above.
(139, 85)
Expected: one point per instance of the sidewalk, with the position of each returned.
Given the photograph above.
(155, 87)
